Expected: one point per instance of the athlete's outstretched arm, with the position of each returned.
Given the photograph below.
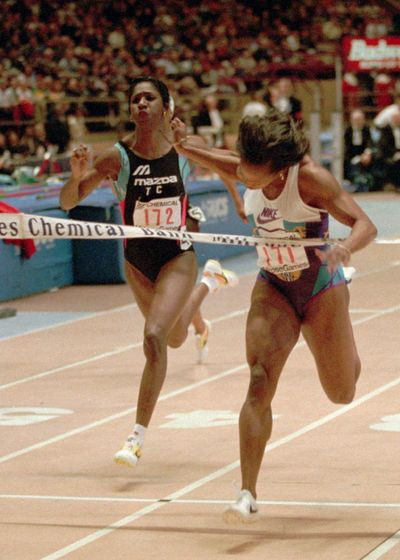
(223, 162)
(323, 191)
(229, 182)
(84, 180)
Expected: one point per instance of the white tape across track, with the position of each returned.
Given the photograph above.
(29, 226)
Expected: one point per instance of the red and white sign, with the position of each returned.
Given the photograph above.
(363, 54)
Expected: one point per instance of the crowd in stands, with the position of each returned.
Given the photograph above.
(65, 66)
(372, 151)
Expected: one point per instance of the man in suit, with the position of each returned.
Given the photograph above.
(208, 122)
(358, 153)
(389, 152)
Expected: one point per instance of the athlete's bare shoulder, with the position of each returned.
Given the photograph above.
(129, 139)
(316, 183)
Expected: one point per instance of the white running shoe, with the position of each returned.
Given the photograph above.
(244, 510)
(219, 276)
(348, 272)
(201, 342)
(130, 453)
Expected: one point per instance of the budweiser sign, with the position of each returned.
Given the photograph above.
(362, 54)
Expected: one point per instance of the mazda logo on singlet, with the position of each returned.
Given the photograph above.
(142, 170)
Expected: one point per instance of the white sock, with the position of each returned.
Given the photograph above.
(139, 431)
(211, 283)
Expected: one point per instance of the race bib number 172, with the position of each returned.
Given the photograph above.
(162, 213)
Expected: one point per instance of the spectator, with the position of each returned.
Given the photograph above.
(6, 102)
(25, 109)
(384, 117)
(57, 130)
(389, 152)
(34, 138)
(6, 165)
(358, 153)
(76, 123)
(288, 102)
(208, 122)
(280, 96)
(256, 105)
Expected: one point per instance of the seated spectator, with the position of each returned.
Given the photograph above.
(34, 138)
(383, 118)
(6, 165)
(57, 129)
(288, 102)
(76, 123)
(208, 122)
(256, 105)
(389, 152)
(6, 102)
(358, 153)
(280, 96)
(25, 109)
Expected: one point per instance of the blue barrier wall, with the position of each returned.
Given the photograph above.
(219, 209)
(51, 265)
(62, 262)
(98, 261)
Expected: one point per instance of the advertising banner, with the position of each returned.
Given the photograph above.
(361, 54)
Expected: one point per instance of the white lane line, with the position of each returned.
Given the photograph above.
(118, 415)
(371, 505)
(104, 355)
(89, 315)
(172, 394)
(377, 270)
(72, 365)
(232, 315)
(213, 476)
(133, 305)
(386, 546)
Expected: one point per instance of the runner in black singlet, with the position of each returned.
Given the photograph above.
(149, 180)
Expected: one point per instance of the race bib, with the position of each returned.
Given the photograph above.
(164, 213)
(285, 262)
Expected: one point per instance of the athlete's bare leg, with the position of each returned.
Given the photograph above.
(168, 306)
(198, 322)
(272, 331)
(197, 319)
(328, 332)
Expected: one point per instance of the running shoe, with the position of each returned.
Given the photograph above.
(224, 277)
(201, 341)
(244, 510)
(130, 453)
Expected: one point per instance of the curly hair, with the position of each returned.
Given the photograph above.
(272, 138)
(157, 84)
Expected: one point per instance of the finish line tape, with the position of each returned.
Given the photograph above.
(29, 226)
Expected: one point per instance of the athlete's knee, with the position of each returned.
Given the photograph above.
(177, 335)
(176, 339)
(342, 395)
(154, 342)
(261, 388)
(345, 393)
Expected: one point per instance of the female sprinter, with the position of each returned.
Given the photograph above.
(298, 289)
(149, 180)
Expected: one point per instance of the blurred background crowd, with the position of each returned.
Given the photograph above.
(65, 69)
